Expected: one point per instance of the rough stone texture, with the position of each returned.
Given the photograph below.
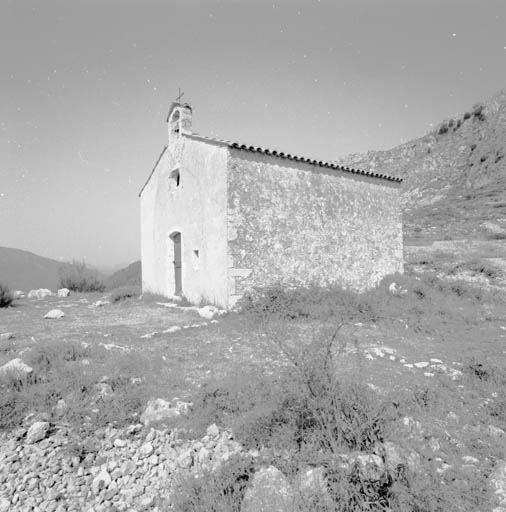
(269, 492)
(299, 224)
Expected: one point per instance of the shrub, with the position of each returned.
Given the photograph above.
(6, 297)
(312, 303)
(443, 128)
(125, 292)
(78, 277)
(213, 491)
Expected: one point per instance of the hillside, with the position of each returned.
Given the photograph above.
(128, 276)
(23, 270)
(455, 175)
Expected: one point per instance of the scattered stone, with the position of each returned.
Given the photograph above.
(498, 482)
(5, 504)
(496, 432)
(208, 312)
(54, 314)
(101, 303)
(428, 374)
(159, 411)
(422, 364)
(39, 294)
(269, 492)
(101, 481)
(37, 432)
(174, 328)
(6, 336)
(436, 361)
(213, 431)
(146, 450)
(397, 290)
(63, 292)
(15, 367)
(150, 335)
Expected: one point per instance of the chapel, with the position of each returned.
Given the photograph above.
(219, 218)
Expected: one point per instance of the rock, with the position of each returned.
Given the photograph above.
(54, 314)
(101, 481)
(312, 486)
(120, 443)
(496, 432)
(498, 482)
(269, 492)
(146, 450)
(146, 502)
(397, 290)
(6, 336)
(39, 294)
(60, 408)
(101, 303)
(371, 466)
(159, 411)
(37, 432)
(5, 504)
(16, 368)
(396, 457)
(128, 467)
(207, 312)
(174, 328)
(18, 294)
(63, 292)
(213, 431)
(103, 390)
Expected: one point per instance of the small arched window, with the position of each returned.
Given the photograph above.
(175, 122)
(175, 178)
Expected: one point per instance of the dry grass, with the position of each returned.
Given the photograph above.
(290, 373)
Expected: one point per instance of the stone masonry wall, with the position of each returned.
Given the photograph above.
(296, 223)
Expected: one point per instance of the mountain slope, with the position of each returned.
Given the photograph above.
(455, 175)
(23, 270)
(128, 276)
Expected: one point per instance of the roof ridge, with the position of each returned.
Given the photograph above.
(280, 154)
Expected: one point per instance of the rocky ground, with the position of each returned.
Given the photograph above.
(93, 453)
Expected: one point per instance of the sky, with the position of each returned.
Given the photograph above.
(86, 86)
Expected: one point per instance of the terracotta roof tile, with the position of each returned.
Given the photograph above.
(288, 156)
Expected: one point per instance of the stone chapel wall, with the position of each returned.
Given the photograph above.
(296, 223)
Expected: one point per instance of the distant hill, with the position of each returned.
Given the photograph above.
(23, 270)
(128, 276)
(454, 176)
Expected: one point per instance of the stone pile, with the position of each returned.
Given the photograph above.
(47, 468)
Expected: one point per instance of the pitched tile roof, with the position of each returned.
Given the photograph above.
(289, 156)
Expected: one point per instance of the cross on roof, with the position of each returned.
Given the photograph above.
(181, 94)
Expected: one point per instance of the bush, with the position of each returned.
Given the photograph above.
(312, 303)
(6, 297)
(125, 292)
(78, 277)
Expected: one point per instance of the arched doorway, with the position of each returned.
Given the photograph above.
(178, 282)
